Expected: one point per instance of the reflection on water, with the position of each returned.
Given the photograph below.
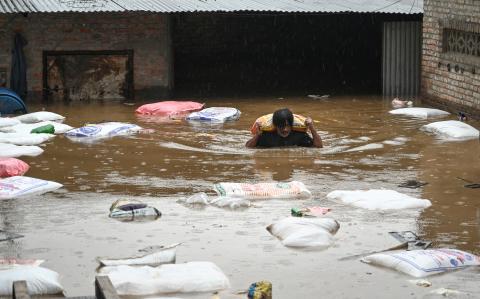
(365, 148)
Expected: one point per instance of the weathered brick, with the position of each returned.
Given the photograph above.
(144, 33)
(445, 86)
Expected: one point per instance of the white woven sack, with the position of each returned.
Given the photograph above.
(8, 122)
(14, 151)
(215, 114)
(40, 116)
(27, 128)
(40, 281)
(305, 232)
(279, 190)
(168, 278)
(419, 112)
(93, 132)
(452, 130)
(378, 199)
(421, 263)
(18, 186)
(24, 138)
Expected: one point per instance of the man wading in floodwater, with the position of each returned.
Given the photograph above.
(283, 135)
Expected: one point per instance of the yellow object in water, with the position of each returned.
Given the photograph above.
(260, 290)
(266, 123)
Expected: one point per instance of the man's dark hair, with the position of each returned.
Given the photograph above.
(282, 117)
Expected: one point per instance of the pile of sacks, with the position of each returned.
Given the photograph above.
(21, 136)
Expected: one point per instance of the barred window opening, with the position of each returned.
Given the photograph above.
(461, 42)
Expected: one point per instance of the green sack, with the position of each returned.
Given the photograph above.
(48, 129)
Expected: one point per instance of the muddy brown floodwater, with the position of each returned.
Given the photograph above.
(70, 228)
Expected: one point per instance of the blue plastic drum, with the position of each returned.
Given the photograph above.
(10, 102)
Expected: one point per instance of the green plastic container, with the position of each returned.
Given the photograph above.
(48, 129)
(297, 212)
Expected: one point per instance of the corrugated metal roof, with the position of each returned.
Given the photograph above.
(172, 6)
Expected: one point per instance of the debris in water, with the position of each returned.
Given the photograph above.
(421, 282)
(412, 184)
(318, 97)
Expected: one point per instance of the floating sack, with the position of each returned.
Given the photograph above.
(419, 112)
(305, 232)
(169, 108)
(136, 213)
(452, 129)
(132, 209)
(309, 212)
(8, 122)
(24, 138)
(165, 255)
(200, 198)
(263, 190)
(40, 116)
(12, 167)
(230, 202)
(17, 186)
(215, 114)
(40, 281)
(27, 128)
(421, 263)
(266, 123)
(167, 278)
(13, 151)
(378, 199)
(102, 130)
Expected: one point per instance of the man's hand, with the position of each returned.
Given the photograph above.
(253, 141)
(317, 141)
(258, 130)
(309, 123)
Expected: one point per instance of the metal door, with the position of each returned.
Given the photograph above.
(401, 53)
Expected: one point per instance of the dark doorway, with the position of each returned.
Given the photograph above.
(88, 75)
(242, 54)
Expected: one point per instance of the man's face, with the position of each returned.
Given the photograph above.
(285, 131)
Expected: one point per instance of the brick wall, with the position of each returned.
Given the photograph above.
(146, 34)
(452, 82)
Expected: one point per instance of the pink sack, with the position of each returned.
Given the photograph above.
(169, 108)
(317, 211)
(12, 167)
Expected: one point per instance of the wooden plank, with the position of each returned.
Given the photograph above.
(104, 288)
(20, 290)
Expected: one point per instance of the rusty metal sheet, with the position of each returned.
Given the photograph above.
(87, 77)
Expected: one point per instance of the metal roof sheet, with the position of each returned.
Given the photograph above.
(172, 6)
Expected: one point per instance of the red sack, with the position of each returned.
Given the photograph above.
(169, 108)
(12, 167)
